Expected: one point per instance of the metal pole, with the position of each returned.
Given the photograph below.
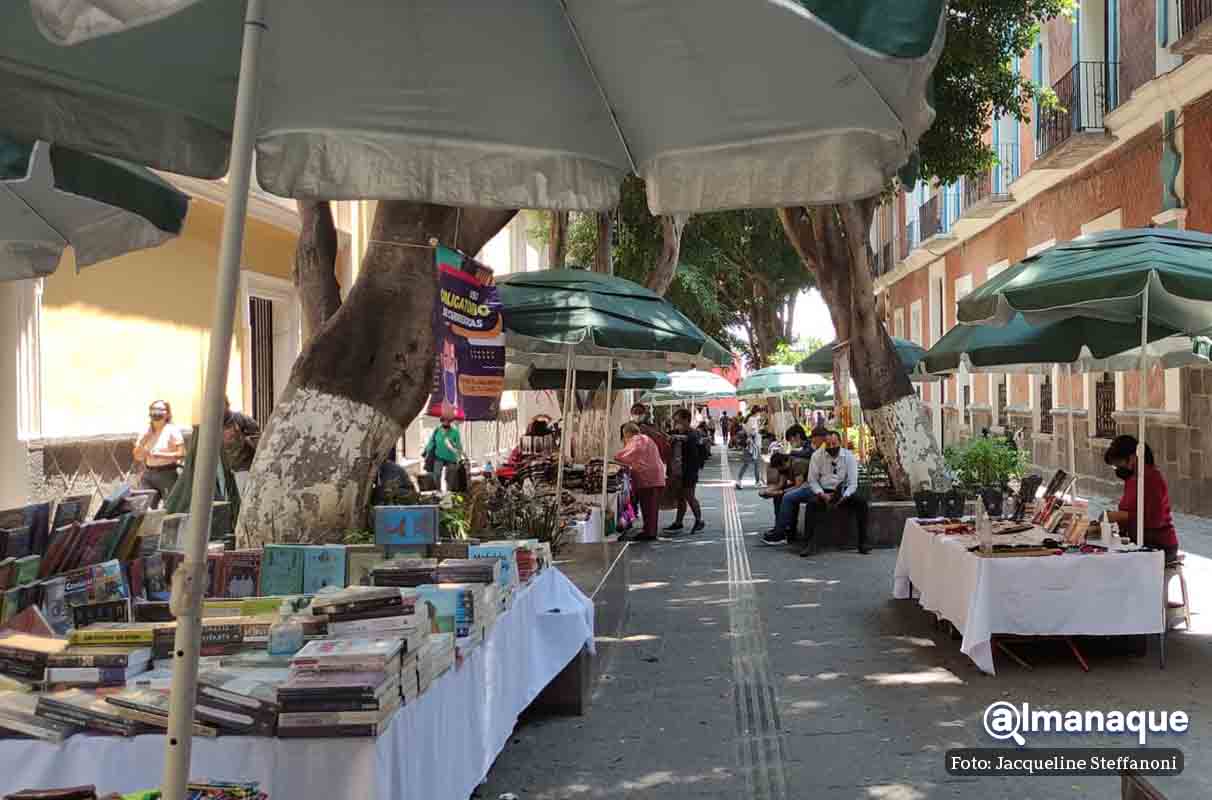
(189, 580)
(564, 430)
(1140, 439)
(606, 440)
(1072, 448)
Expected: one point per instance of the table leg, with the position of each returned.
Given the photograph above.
(1002, 647)
(1161, 648)
(1077, 654)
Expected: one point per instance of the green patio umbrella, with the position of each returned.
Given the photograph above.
(777, 380)
(555, 104)
(693, 385)
(821, 361)
(1154, 276)
(602, 320)
(52, 198)
(526, 378)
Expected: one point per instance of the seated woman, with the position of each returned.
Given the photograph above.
(1159, 524)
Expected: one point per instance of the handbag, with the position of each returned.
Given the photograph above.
(430, 454)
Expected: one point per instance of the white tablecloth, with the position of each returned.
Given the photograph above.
(1068, 595)
(439, 747)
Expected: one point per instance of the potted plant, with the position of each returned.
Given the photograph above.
(985, 467)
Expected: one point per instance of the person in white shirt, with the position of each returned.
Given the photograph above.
(833, 482)
(159, 451)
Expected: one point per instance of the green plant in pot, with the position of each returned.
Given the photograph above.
(985, 467)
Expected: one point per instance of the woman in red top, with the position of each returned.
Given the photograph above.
(641, 456)
(1159, 524)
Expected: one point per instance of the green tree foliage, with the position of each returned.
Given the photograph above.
(975, 81)
(792, 353)
(737, 272)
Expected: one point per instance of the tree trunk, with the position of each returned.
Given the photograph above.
(832, 242)
(557, 245)
(666, 267)
(601, 256)
(315, 271)
(358, 383)
(766, 329)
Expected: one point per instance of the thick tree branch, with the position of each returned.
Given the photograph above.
(661, 277)
(315, 267)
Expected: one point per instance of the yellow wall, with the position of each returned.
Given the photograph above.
(135, 329)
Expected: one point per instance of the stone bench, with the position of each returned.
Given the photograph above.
(885, 524)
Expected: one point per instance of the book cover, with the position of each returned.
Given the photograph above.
(15, 542)
(126, 545)
(102, 611)
(110, 657)
(140, 634)
(282, 569)
(405, 526)
(95, 583)
(30, 649)
(338, 684)
(8, 573)
(87, 708)
(54, 605)
(18, 714)
(360, 560)
(113, 537)
(30, 620)
(60, 543)
(221, 523)
(155, 582)
(240, 573)
(361, 653)
(91, 676)
(316, 719)
(453, 607)
(71, 509)
(172, 532)
(150, 708)
(358, 598)
(26, 569)
(323, 565)
(37, 519)
(96, 539)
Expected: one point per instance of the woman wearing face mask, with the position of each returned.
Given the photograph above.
(1159, 524)
(160, 451)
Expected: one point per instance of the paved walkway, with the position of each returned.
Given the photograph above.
(748, 672)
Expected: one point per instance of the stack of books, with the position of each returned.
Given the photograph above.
(85, 709)
(406, 572)
(374, 611)
(68, 793)
(341, 687)
(97, 666)
(507, 578)
(240, 701)
(24, 657)
(435, 657)
(220, 790)
(19, 718)
(469, 570)
(149, 707)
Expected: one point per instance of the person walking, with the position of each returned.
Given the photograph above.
(833, 483)
(751, 456)
(446, 448)
(641, 456)
(693, 456)
(160, 450)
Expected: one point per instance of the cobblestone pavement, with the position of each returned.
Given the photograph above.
(747, 672)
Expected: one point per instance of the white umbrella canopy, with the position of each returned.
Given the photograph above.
(695, 385)
(528, 104)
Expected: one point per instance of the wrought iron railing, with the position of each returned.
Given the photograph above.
(1191, 13)
(994, 183)
(1084, 95)
(1045, 406)
(912, 238)
(1104, 404)
(929, 218)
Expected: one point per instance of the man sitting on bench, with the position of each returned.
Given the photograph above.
(833, 481)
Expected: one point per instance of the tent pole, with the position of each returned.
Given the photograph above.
(1140, 439)
(1072, 448)
(564, 431)
(189, 579)
(606, 440)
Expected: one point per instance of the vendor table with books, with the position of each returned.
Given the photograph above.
(1074, 594)
(440, 746)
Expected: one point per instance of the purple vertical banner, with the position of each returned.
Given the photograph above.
(469, 334)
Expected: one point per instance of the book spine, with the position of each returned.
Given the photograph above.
(109, 660)
(326, 705)
(109, 675)
(332, 718)
(82, 719)
(329, 732)
(18, 654)
(22, 669)
(106, 637)
(371, 626)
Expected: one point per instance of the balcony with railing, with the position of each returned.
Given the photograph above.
(913, 237)
(929, 217)
(985, 194)
(1072, 131)
(1194, 27)
(883, 259)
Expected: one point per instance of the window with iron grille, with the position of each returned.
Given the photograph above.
(261, 321)
(968, 403)
(1045, 405)
(1104, 406)
(1002, 400)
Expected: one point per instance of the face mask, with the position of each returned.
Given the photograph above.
(445, 424)
(1123, 473)
(833, 451)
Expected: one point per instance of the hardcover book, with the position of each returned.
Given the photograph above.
(98, 539)
(120, 657)
(172, 532)
(323, 565)
(155, 582)
(95, 583)
(282, 569)
(26, 569)
(239, 573)
(405, 526)
(360, 560)
(150, 708)
(86, 709)
(347, 654)
(71, 509)
(15, 542)
(54, 605)
(18, 715)
(102, 611)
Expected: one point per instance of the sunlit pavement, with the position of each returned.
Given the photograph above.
(748, 672)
